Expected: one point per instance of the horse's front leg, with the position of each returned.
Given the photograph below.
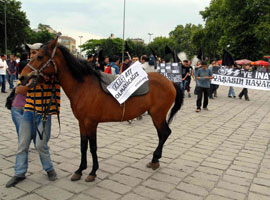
(84, 145)
(93, 149)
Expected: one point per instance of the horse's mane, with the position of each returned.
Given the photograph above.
(78, 67)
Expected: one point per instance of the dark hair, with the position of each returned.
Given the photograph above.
(145, 58)
(126, 57)
(203, 62)
(24, 56)
(115, 58)
(2, 55)
(185, 61)
(90, 56)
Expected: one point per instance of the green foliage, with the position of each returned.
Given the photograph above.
(40, 36)
(17, 25)
(112, 47)
(242, 27)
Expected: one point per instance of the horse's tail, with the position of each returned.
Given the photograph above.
(179, 99)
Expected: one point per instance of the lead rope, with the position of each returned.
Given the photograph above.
(124, 110)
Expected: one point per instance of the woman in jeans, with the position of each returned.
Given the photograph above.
(20, 98)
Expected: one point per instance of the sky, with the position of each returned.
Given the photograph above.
(95, 19)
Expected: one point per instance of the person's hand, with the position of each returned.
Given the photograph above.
(32, 83)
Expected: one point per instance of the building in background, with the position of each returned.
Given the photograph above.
(68, 42)
(137, 40)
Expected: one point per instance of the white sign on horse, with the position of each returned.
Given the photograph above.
(128, 82)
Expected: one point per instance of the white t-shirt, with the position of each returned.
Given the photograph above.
(147, 67)
(4, 66)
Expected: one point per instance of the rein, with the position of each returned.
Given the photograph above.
(45, 112)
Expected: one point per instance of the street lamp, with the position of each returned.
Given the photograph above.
(80, 44)
(5, 13)
(150, 34)
(124, 20)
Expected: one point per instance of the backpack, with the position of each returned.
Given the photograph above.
(151, 60)
(108, 70)
(10, 99)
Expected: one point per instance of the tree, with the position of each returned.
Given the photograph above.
(42, 35)
(241, 26)
(17, 25)
(112, 47)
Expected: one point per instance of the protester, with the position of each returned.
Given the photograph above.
(231, 90)
(213, 87)
(188, 79)
(31, 121)
(204, 76)
(3, 69)
(244, 91)
(11, 70)
(125, 64)
(185, 74)
(197, 67)
(145, 64)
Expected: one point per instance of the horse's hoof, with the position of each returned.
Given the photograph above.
(90, 178)
(154, 166)
(75, 177)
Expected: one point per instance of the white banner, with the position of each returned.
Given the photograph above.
(241, 78)
(128, 82)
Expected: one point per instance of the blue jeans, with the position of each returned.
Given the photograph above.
(17, 115)
(3, 82)
(27, 132)
(10, 78)
(231, 92)
(183, 86)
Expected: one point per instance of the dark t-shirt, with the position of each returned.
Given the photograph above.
(185, 70)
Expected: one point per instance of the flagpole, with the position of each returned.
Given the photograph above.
(124, 20)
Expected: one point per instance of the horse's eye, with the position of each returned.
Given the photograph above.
(40, 57)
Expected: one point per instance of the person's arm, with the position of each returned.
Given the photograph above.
(128, 55)
(20, 89)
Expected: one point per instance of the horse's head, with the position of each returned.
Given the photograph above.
(42, 66)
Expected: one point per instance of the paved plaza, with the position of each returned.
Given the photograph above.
(220, 154)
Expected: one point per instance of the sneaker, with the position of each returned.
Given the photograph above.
(189, 95)
(230, 96)
(247, 99)
(52, 175)
(205, 108)
(13, 181)
(211, 97)
(198, 110)
(240, 97)
(234, 97)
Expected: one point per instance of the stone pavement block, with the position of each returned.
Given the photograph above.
(233, 187)
(209, 170)
(4, 164)
(214, 165)
(126, 180)
(260, 189)
(193, 189)
(115, 186)
(243, 169)
(70, 186)
(132, 196)
(159, 185)
(149, 193)
(255, 196)
(4, 179)
(109, 168)
(166, 178)
(208, 185)
(136, 173)
(31, 197)
(82, 197)
(206, 176)
(262, 181)
(101, 193)
(228, 193)
(53, 192)
(173, 172)
(28, 185)
(216, 197)
(240, 174)
(10, 193)
(180, 195)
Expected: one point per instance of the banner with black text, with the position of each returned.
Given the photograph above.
(241, 78)
(172, 71)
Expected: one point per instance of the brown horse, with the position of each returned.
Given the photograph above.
(91, 105)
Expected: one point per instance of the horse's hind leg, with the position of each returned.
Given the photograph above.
(93, 149)
(84, 145)
(163, 131)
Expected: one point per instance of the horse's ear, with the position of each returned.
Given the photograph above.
(54, 42)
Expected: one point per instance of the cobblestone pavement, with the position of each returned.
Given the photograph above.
(218, 154)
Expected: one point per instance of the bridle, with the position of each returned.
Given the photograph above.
(38, 72)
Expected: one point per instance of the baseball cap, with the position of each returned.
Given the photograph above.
(35, 46)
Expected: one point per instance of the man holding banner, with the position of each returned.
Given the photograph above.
(204, 76)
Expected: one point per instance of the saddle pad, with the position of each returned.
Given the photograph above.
(106, 80)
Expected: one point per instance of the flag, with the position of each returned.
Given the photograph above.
(153, 52)
(100, 56)
(175, 57)
(127, 48)
(227, 59)
(168, 50)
